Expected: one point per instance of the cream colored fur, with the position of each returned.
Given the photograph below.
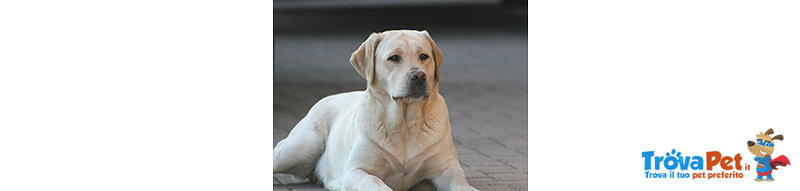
(383, 138)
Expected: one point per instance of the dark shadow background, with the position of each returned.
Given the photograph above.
(483, 76)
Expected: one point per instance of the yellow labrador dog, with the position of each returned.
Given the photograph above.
(391, 136)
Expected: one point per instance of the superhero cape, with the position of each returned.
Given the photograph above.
(779, 161)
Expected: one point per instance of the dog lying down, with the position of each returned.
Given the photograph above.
(391, 136)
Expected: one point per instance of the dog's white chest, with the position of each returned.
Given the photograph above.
(398, 175)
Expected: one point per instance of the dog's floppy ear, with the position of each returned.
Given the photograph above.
(769, 132)
(363, 59)
(437, 53)
(778, 137)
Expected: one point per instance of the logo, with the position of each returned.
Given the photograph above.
(678, 165)
(714, 164)
(763, 149)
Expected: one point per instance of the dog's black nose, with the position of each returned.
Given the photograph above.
(750, 143)
(417, 76)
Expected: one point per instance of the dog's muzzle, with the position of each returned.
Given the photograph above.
(417, 88)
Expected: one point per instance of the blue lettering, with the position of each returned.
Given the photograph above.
(647, 155)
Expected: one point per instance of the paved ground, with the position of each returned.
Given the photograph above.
(484, 80)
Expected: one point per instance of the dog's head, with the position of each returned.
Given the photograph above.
(402, 65)
(764, 145)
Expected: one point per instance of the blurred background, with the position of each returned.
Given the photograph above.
(483, 76)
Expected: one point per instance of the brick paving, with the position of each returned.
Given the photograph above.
(483, 79)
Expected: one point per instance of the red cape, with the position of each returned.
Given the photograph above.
(779, 161)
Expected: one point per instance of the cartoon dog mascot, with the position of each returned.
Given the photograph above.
(763, 150)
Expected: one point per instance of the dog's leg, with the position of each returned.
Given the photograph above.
(361, 180)
(452, 179)
(298, 153)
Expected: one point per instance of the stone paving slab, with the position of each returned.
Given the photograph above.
(493, 153)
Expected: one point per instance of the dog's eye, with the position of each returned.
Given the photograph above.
(394, 58)
(423, 56)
